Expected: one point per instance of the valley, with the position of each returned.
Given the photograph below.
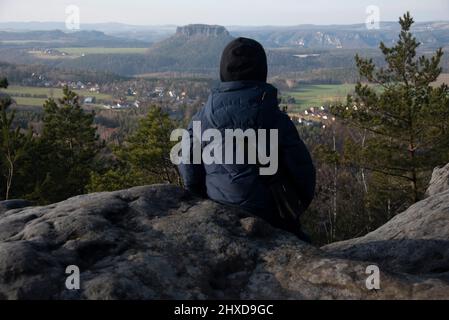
(135, 84)
(112, 69)
(215, 150)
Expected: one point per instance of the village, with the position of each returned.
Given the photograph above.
(313, 116)
(110, 95)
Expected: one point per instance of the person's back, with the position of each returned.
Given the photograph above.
(245, 101)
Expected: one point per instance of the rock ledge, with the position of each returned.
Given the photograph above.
(157, 242)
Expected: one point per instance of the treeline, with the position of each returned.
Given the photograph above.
(83, 38)
(67, 157)
(22, 74)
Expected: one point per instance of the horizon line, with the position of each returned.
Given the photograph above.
(224, 25)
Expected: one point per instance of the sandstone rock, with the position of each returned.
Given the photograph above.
(202, 30)
(415, 241)
(439, 181)
(156, 242)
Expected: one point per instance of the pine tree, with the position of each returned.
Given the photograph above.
(144, 158)
(149, 147)
(68, 149)
(404, 114)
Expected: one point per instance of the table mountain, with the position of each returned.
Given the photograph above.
(193, 48)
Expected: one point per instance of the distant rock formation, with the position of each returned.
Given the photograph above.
(203, 30)
(158, 242)
(192, 49)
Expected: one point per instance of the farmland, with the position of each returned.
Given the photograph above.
(305, 95)
(318, 94)
(78, 51)
(313, 95)
(36, 96)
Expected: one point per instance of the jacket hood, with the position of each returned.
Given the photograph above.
(243, 105)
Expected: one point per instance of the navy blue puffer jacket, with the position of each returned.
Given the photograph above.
(244, 105)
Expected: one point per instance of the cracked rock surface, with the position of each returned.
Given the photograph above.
(157, 242)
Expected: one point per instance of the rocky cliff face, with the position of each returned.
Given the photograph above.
(157, 242)
(202, 30)
(194, 48)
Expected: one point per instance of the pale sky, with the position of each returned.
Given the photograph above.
(223, 12)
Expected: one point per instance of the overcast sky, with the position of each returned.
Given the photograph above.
(223, 12)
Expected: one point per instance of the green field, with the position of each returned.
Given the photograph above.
(100, 50)
(315, 95)
(17, 91)
(306, 96)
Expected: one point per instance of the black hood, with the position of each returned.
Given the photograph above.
(243, 59)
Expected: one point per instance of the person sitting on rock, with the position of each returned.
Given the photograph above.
(244, 100)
